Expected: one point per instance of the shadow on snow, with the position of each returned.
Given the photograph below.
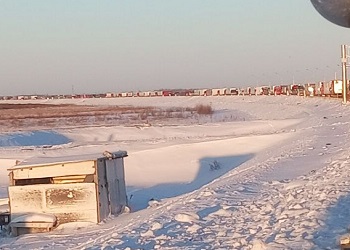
(33, 139)
(210, 169)
(336, 225)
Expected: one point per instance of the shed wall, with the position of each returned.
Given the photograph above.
(59, 169)
(102, 194)
(116, 184)
(68, 202)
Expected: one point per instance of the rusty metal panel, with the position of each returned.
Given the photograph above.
(102, 191)
(121, 181)
(68, 202)
(116, 185)
(53, 170)
(113, 192)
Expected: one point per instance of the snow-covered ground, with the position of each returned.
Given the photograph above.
(261, 173)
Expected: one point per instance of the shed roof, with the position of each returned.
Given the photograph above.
(43, 161)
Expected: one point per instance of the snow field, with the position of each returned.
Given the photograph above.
(282, 180)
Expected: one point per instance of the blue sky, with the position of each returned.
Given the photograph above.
(50, 47)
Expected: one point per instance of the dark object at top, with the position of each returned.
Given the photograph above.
(336, 11)
(115, 155)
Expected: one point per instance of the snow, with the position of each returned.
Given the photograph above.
(32, 138)
(43, 160)
(276, 178)
(186, 217)
(35, 217)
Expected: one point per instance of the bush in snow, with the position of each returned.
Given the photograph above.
(204, 109)
(215, 165)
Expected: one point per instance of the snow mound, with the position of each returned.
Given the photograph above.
(4, 208)
(259, 245)
(34, 217)
(187, 217)
(33, 138)
(153, 203)
(156, 226)
(72, 226)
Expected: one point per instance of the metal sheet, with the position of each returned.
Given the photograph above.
(102, 188)
(116, 185)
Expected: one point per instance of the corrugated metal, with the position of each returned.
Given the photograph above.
(102, 194)
(116, 185)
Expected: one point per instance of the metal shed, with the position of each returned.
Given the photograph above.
(75, 188)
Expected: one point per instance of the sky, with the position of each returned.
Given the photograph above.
(65, 47)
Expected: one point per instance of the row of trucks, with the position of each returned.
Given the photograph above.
(332, 88)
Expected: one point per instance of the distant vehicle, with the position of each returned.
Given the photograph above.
(337, 87)
(266, 90)
(297, 89)
(241, 92)
(277, 90)
(285, 90)
(310, 89)
(234, 91)
(249, 91)
(263, 90)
